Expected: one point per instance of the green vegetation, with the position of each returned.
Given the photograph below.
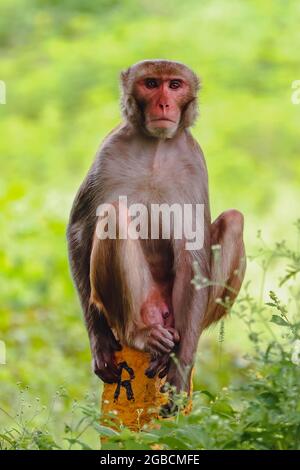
(60, 61)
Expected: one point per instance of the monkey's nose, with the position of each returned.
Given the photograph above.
(163, 106)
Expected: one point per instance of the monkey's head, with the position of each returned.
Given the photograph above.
(160, 97)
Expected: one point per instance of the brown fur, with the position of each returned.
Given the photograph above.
(125, 284)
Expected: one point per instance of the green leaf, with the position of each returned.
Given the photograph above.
(208, 394)
(83, 445)
(279, 320)
(7, 439)
(223, 408)
(104, 431)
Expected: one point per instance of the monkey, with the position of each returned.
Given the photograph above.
(139, 292)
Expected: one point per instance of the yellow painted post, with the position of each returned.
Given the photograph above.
(136, 399)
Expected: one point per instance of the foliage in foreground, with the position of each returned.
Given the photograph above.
(262, 413)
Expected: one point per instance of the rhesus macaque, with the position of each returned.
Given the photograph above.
(139, 291)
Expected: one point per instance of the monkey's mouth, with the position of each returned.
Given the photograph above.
(163, 119)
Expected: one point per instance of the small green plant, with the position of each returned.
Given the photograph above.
(28, 429)
(32, 425)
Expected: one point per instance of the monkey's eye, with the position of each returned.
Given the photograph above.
(151, 83)
(174, 84)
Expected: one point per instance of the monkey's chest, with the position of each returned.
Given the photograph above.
(161, 184)
(155, 178)
(163, 202)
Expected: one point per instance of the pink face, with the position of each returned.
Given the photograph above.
(163, 98)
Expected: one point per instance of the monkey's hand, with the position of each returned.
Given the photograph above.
(160, 363)
(103, 351)
(160, 340)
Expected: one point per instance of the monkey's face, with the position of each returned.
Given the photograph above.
(162, 99)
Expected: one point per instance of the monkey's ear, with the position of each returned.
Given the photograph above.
(124, 75)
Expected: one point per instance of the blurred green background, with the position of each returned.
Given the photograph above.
(60, 61)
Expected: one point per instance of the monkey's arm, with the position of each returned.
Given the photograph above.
(80, 235)
(190, 305)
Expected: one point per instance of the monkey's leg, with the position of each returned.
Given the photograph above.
(122, 287)
(228, 264)
(196, 310)
(189, 307)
